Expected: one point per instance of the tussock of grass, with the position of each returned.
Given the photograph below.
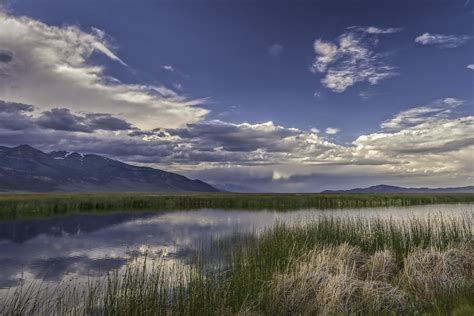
(431, 273)
(328, 282)
(381, 266)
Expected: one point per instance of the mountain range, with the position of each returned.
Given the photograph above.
(27, 169)
(383, 188)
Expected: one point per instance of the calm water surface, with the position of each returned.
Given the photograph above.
(81, 246)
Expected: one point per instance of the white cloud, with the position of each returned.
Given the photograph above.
(278, 175)
(317, 94)
(377, 30)
(50, 67)
(178, 86)
(471, 66)
(439, 145)
(442, 41)
(352, 59)
(168, 67)
(413, 116)
(424, 140)
(275, 50)
(364, 95)
(332, 130)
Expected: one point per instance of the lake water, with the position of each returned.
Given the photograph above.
(80, 246)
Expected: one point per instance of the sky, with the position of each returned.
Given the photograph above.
(280, 96)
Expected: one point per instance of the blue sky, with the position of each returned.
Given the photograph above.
(194, 76)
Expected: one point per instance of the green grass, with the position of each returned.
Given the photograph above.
(431, 259)
(14, 206)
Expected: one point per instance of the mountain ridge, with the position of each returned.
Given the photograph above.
(384, 188)
(27, 169)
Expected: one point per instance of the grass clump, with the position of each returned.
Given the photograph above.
(431, 273)
(381, 266)
(329, 281)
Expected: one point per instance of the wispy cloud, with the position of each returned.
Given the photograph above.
(332, 130)
(168, 67)
(364, 95)
(442, 41)
(413, 116)
(470, 66)
(58, 58)
(275, 50)
(376, 30)
(174, 70)
(352, 58)
(232, 111)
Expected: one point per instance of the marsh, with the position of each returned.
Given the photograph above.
(83, 248)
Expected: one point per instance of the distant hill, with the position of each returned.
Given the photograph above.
(382, 188)
(25, 168)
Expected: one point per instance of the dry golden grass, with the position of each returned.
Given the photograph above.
(343, 280)
(328, 281)
(381, 267)
(432, 273)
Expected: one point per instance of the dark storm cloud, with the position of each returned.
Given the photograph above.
(63, 119)
(236, 137)
(140, 133)
(18, 116)
(13, 107)
(5, 56)
(14, 121)
(107, 122)
(13, 116)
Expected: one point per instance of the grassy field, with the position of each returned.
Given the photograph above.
(332, 266)
(13, 206)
